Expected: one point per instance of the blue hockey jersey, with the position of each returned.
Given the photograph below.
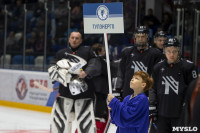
(131, 115)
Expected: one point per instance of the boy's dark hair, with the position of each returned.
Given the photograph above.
(146, 79)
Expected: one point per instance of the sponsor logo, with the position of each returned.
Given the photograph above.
(42, 82)
(21, 88)
(102, 12)
(184, 129)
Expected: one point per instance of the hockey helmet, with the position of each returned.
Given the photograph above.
(171, 42)
(77, 86)
(160, 34)
(141, 30)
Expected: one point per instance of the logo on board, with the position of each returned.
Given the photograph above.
(21, 88)
(102, 12)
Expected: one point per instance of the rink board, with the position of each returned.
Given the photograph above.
(17, 90)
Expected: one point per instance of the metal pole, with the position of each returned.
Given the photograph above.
(182, 31)
(5, 33)
(108, 62)
(45, 36)
(136, 13)
(24, 43)
(108, 72)
(178, 23)
(194, 37)
(196, 32)
(69, 17)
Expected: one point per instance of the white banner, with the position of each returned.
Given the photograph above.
(103, 18)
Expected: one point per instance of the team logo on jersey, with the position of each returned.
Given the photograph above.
(102, 12)
(138, 66)
(132, 54)
(162, 69)
(21, 88)
(170, 82)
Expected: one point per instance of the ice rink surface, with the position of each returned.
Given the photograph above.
(14, 120)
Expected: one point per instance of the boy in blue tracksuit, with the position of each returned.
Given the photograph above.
(132, 115)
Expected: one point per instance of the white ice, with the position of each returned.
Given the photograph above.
(14, 119)
(19, 119)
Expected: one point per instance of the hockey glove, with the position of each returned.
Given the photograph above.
(59, 74)
(64, 63)
(153, 113)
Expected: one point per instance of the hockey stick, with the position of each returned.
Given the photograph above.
(154, 125)
(107, 123)
(43, 87)
(150, 124)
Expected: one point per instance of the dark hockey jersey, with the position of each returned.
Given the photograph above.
(91, 69)
(132, 61)
(170, 85)
(163, 57)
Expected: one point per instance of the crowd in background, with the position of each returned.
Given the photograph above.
(57, 26)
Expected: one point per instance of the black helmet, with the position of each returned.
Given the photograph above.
(171, 42)
(160, 34)
(141, 30)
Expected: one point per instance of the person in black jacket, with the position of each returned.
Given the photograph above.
(76, 99)
(140, 57)
(172, 77)
(101, 89)
(190, 116)
(159, 39)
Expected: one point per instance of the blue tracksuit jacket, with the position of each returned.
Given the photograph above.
(131, 115)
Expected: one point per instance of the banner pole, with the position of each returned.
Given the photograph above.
(108, 62)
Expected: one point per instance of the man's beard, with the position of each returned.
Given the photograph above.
(140, 44)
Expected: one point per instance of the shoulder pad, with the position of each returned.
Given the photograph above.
(86, 46)
(155, 50)
(127, 48)
(187, 64)
(62, 50)
(161, 61)
(189, 61)
(159, 64)
(126, 51)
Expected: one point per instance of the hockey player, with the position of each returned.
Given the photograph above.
(159, 39)
(132, 115)
(76, 97)
(140, 57)
(171, 78)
